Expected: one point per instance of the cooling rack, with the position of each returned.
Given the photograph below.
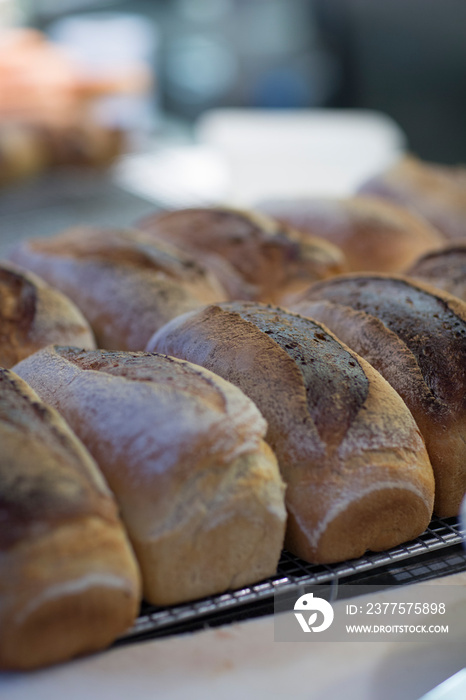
(437, 552)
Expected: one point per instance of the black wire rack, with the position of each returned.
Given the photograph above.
(437, 552)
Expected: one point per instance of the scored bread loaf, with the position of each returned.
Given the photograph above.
(263, 258)
(444, 268)
(436, 192)
(69, 583)
(373, 234)
(415, 335)
(33, 315)
(126, 284)
(357, 472)
(199, 490)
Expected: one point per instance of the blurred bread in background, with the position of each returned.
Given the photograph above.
(436, 192)
(373, 234)
(47, 115)
(444, 268)
(33, 315)
(263, 258)
(125, 283)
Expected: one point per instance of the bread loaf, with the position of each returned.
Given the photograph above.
(445, 269)
(415, 335)
(357, 472)
(373, 234)
(69, 583)
(264, 259)
(33, 315)
(199, 490)
(436, 192)
(125, 284)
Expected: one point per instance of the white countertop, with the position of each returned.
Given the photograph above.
(243, 660)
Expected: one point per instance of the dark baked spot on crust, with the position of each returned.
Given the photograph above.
(431, 330)
(336, 385)
(18, 300)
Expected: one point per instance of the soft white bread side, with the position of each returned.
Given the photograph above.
(199, 490)
(69, 582)
(357, 472)
(126, 284)
(33, 315)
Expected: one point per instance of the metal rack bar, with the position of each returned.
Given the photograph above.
(404, 564)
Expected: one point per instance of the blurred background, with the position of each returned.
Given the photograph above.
(406, 58)
(148, 74)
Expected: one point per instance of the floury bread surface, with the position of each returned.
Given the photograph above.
(33, 315)
(357, 472)
(126, 284)
(415, 335)
(199, 490)
(69, 583)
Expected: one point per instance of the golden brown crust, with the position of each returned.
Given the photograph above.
(69, 583)
(270, 259)
(374, 235)
(415, 335)
(199, 491)
(438, 193)
(33, 315)
(126, 284)
(333, 447)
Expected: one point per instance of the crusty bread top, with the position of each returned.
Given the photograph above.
(375, 235)
(430, 322)
(264, 252)
(335, 384)
(33, 315)
(172, 392)
(47, 477)
(126, 285)
(167, 374)
(144, 414)
(126, 247)
(275, 357)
